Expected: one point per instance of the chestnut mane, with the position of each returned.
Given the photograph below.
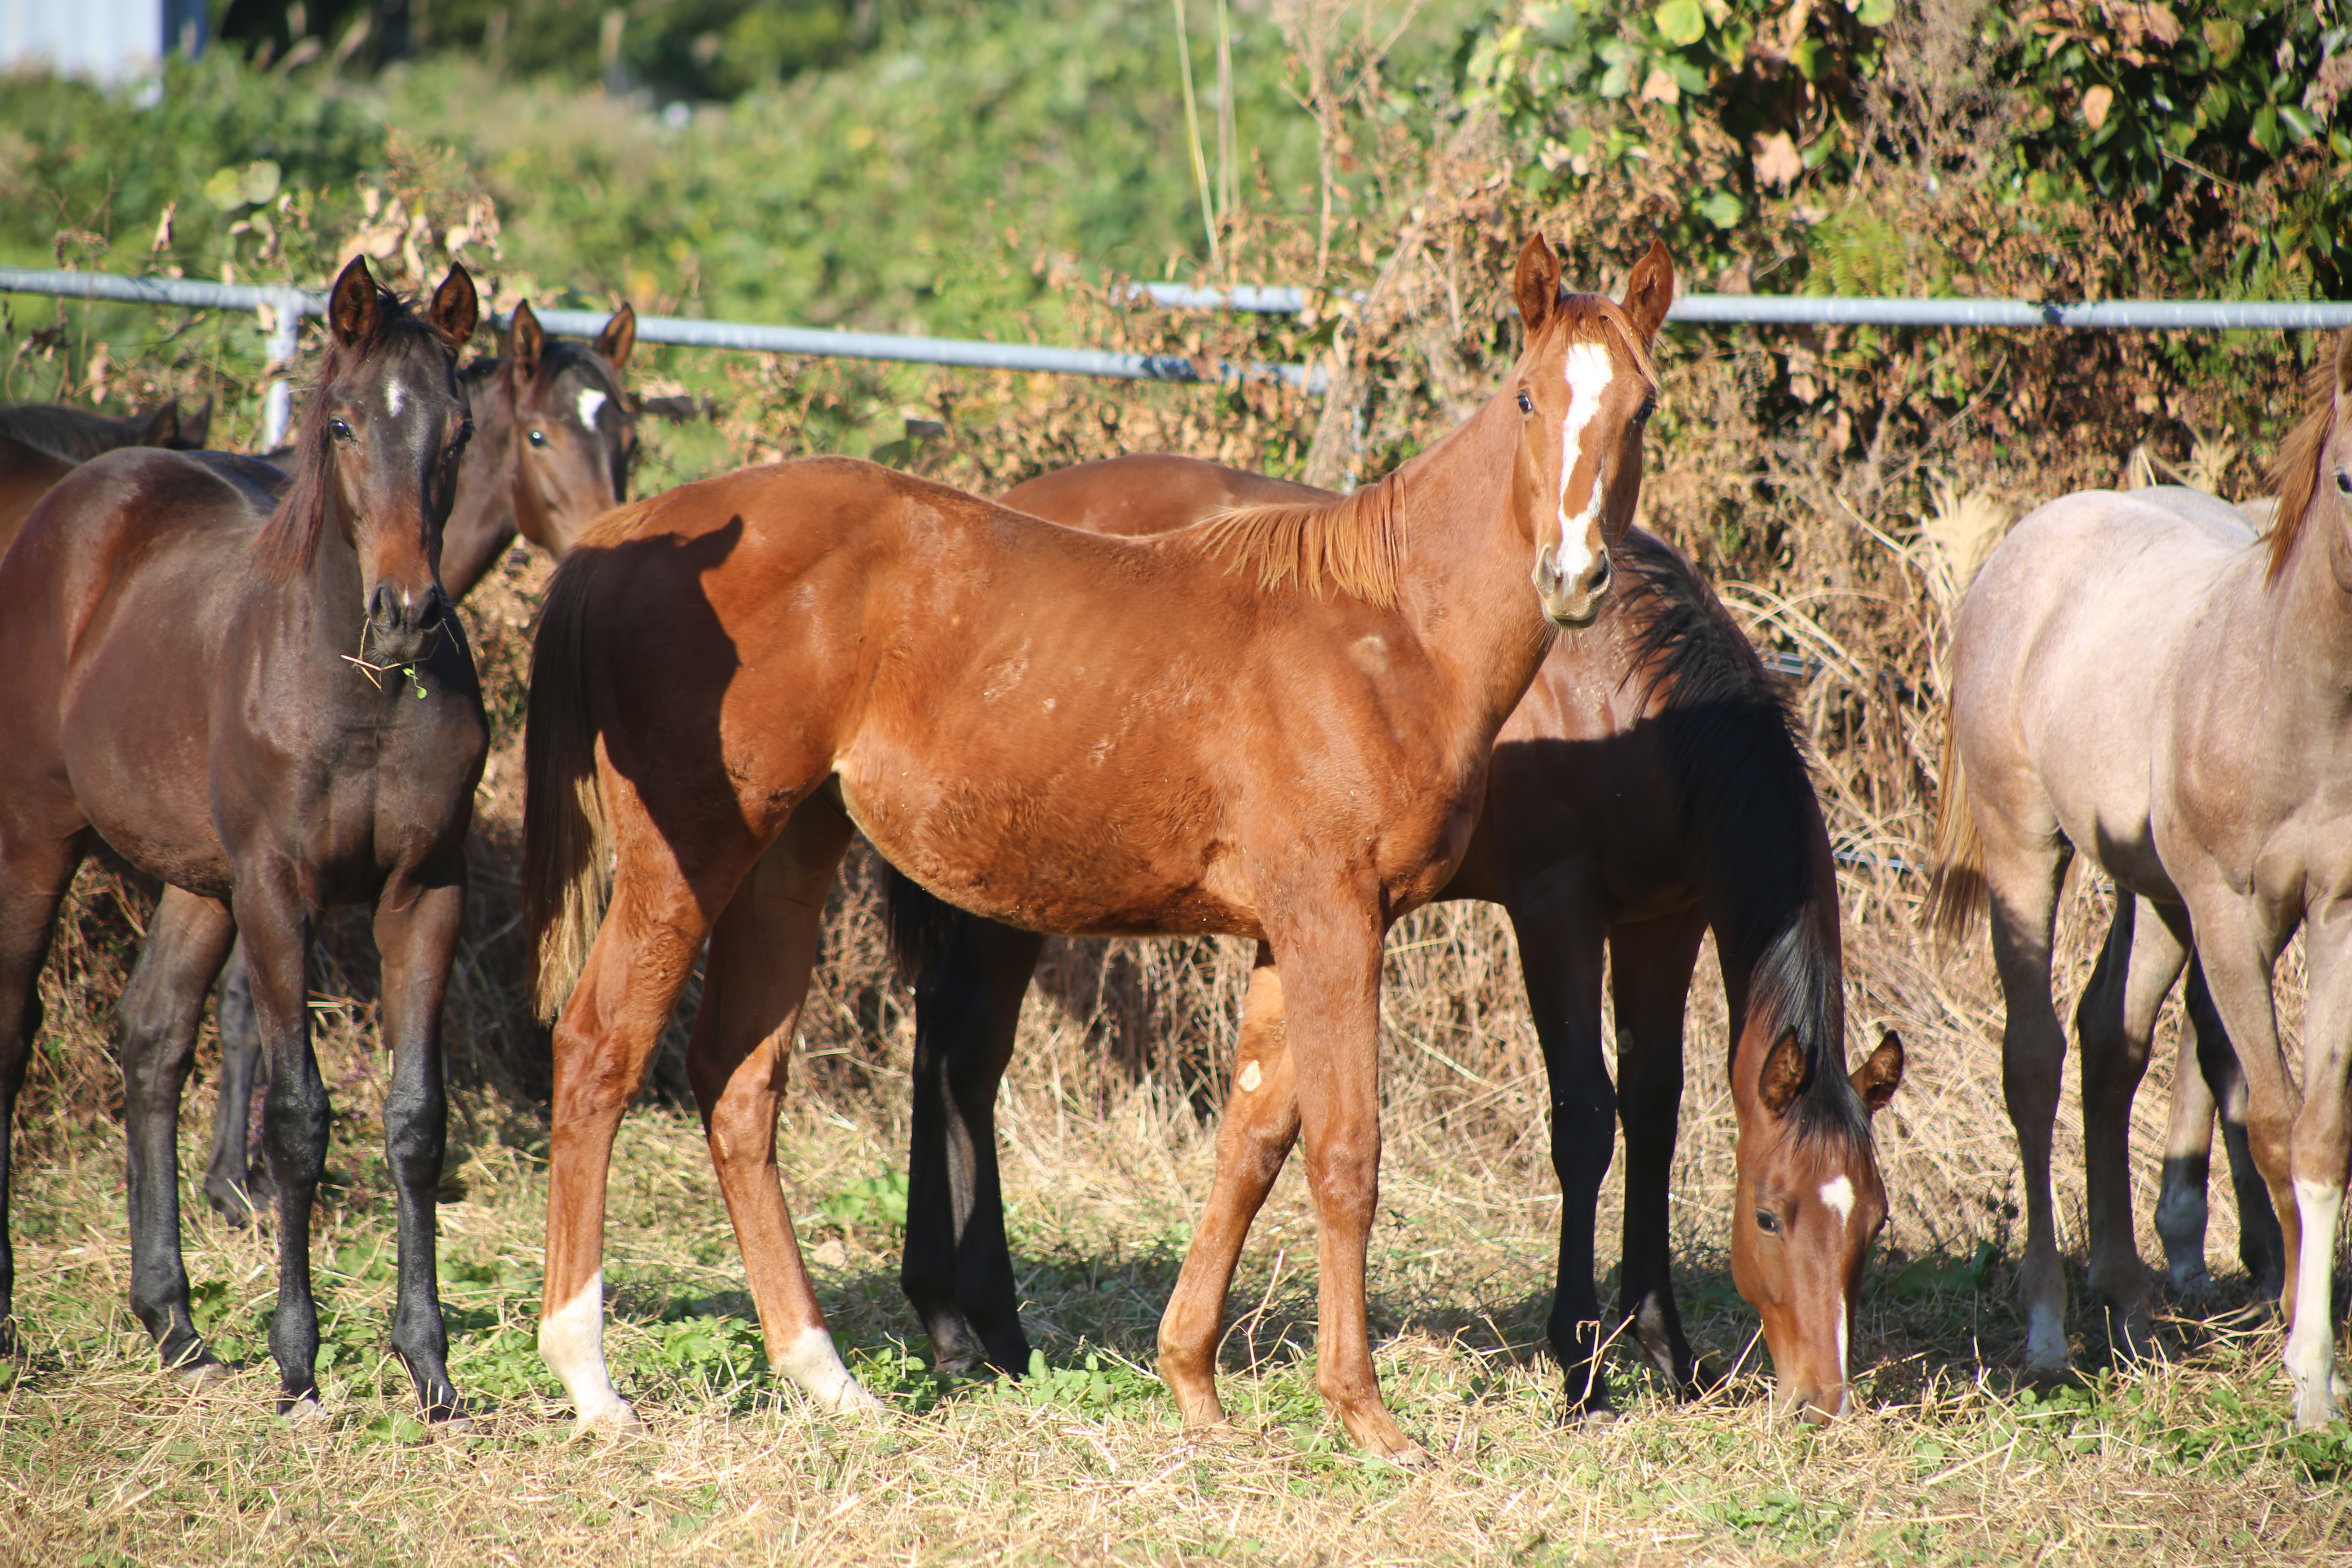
(1356, 544)
(2294, 472)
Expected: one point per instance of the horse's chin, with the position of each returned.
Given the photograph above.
(1572, 617)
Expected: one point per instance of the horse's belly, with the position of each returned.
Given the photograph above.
(1028, 862)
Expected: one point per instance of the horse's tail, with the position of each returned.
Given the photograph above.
(919, 923)
(567, 844)
(1956, 893)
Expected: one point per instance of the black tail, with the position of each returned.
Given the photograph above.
(919, 924)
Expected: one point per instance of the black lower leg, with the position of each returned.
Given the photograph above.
(235, 1182)
(415, 1122)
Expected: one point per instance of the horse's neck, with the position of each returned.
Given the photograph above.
(2313, 633)
(1467, 587)
(484, 509)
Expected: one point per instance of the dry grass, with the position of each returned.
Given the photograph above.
(1843, 526)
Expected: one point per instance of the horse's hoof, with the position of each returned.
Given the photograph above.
(301, 1411)
(1411, 1457)
(455, 1427)
(618, 1419)
(200, 1369)
(1591, 1418)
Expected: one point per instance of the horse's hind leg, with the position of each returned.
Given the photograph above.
(1650, 976)
(2145, 949)
(958, 1268)
(1253, 1138)
(233, 1181)
(161, 1009)
(753, 983)
(417, 918)
(34, 876)
(2025, 866)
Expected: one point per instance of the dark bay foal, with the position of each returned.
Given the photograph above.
(554, 439)
(252, 689)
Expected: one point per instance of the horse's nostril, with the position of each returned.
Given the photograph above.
(435, 606)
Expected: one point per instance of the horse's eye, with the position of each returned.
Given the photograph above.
(2344, 481)
(1768, 1222)
(1649, 406)
(1525, 405)
(343, 430)
(539, 437)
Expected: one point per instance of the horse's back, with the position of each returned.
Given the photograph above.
(1149, 492)
(2061, 649)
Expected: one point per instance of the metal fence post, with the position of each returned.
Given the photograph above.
(285, 348)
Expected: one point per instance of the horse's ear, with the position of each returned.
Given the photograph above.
(1536, 284)
(1877, 1078)
(1650, 289)
(525, 342)
(1782, 1075)
(619, 336)
(352, 309)
(196, 429)
(457, 310)
(163, 424)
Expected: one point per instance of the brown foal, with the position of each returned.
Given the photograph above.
(1647, 788)
(1276, 725)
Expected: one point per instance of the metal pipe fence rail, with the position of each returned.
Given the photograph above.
(282, 309)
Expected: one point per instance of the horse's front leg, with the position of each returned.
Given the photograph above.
(2319, 1150)
(957, 1269)
(1327, 947)
(1560, 937)
(417, 924)
(1650, 977)
(275, 918)
(186, 939)
(1253, 1138)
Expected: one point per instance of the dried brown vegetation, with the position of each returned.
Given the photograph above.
(1822, 477)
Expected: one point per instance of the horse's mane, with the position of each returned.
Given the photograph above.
(1739, 769)
(1355, 544)
(2294, 472)
(290, 537)
(72, 435)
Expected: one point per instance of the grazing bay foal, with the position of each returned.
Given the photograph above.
(1647, 786)
(554, 439)
(252, 689)
(2137, 678)
(1276, 725)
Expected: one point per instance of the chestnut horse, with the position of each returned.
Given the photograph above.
(1275, 726)
(2137, 678)
(554, 439)
(1647, 786)
(252, 689)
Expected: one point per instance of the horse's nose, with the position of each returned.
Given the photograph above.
(1818, 1407)
(399, 619)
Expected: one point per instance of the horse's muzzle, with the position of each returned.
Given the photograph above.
(402, 622)
(1572, 602)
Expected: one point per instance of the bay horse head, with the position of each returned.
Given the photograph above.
(1585, 376)
(578, 430)
(378, 454)
(1809, 1202)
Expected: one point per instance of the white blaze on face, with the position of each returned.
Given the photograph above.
(1837, 1196)
(1588, 373)
(590, 400)
(391, 397)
